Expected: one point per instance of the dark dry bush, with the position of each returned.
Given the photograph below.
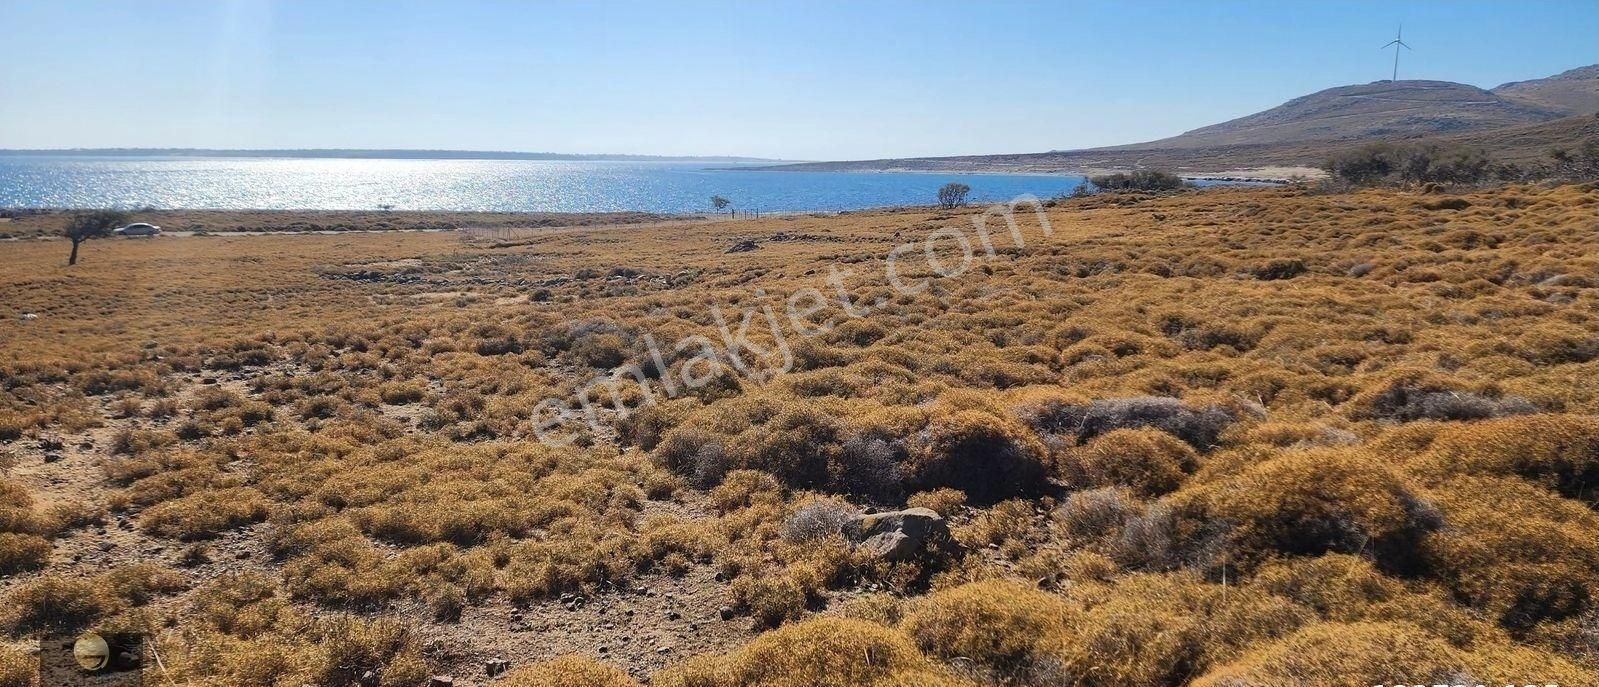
(694, 453)
(1311, 502)
(1200, 427)
(1279, 269)
(989, 458)
(1420, 397)
(868, 467)
(497, 346)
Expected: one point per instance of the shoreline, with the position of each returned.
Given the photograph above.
(34, 224)
(1286, 175)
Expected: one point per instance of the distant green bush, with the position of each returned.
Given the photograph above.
(1141, 180)
(1411, 164)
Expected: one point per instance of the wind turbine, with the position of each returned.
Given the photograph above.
(1397, 43)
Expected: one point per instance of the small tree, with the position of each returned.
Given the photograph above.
(1367, 164)
(953, 195)
(91, 225)
(720, 203)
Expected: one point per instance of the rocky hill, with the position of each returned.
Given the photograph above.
(1384, 109)
(1519, 121)
(1571, 92)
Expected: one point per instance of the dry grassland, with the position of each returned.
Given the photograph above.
(1253, 438)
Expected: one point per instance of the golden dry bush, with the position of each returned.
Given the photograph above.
(1560, 452)
(1337, 586)
(568, 671)
(18, 668)
(204, 515)
(1371, 653)
(55, 604)
(1159, 629)
(824, 652)
(1326, 500)
(997, 623)
(1148, 461)
(1540, 566)
(944, 501)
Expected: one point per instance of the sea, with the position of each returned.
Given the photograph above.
(68, 181)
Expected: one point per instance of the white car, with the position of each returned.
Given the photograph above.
(138, 229)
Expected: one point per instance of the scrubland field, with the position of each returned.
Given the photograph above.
(1240, 438)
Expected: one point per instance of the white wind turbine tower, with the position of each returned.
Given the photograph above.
(1397, 43)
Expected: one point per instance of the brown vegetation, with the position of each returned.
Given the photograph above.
(1229, 437)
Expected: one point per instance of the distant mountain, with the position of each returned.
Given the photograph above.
(1384, 109)
(1518, 121)
(1572, 92)
(373, 154)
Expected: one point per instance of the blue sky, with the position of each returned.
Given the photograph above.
(803, 80)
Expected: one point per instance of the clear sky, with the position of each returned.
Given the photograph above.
(808, 79)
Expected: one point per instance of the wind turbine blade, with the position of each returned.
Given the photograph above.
(1407, 45)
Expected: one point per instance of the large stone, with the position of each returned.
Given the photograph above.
(897, 535)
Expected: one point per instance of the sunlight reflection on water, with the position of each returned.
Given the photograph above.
(486, 185)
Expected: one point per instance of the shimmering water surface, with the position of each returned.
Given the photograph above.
(505, 185)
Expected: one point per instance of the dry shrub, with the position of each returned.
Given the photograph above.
(944, 501)
(54, 604)
(1411, 395)
(19, 552)
(868, 467)
(1559, 343)
(1560, 452)
(883, 609)
(1313, 502)
(16, 508)
(818, 519)
(1336, 586)
(644, 427)
(1290, 435)
(402, 392)
(602, 351)
(824, 652)
(1540, 566)
(746, 488)
(1148, 461)
(1199, 427)
(997, 623)
(1008, 525)
(138, 583)
(13, 425)
(567, 671)
(1160, 630)
(771, 597)
(1371, 653)
(797, 445)
(18, 668)
(205, 515)
(698, 455)
(1094, 513)
(987, 457)
(134, 442)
